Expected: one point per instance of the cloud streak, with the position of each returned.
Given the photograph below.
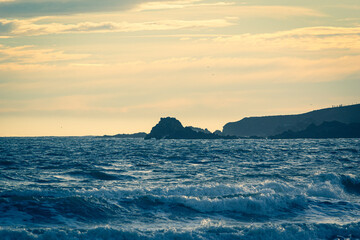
(178, 5)
(32, 28)
(36, 8)
(33, 8)
(30, 54)
(309, 39)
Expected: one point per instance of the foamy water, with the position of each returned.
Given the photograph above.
(106, 188)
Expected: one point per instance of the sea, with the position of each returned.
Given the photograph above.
(94, 188)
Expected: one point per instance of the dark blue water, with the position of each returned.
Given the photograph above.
(106, 188)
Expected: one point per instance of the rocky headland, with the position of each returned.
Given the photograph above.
(268, 126)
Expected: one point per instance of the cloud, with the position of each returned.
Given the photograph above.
(306, 39)
(229, 9)
(30, 54)
(33, 8)
(214, 15)
(5, 27)
(31, 27)
(268, 11)
(182, 72)
(177, 4)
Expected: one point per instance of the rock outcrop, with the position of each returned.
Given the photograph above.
(132, 135)
(171, 128)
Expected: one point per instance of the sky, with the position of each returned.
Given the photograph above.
(89, 67)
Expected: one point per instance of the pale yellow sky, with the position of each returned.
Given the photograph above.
(107, 67)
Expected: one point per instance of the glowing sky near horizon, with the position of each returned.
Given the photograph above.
(89, 67)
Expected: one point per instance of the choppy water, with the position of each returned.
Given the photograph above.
(106, 188)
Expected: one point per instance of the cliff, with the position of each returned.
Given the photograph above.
(325, 130)
(273, 125)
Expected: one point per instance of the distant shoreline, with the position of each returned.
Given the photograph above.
(335, 122)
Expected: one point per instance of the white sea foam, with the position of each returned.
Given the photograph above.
(206, 230)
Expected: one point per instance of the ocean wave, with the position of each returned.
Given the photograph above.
(351, 183)
(69, 207)
(261, 205)
(333, 185)
(350, 150)
(269, 198)
(94, 188)
(66, 210)
(6, 163)
(100, 175)
(207, 229)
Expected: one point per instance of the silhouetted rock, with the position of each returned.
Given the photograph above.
(196, 129)
(218, 132)
(273, 125)
(171, 128)
(332, 129)
(133, 135)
